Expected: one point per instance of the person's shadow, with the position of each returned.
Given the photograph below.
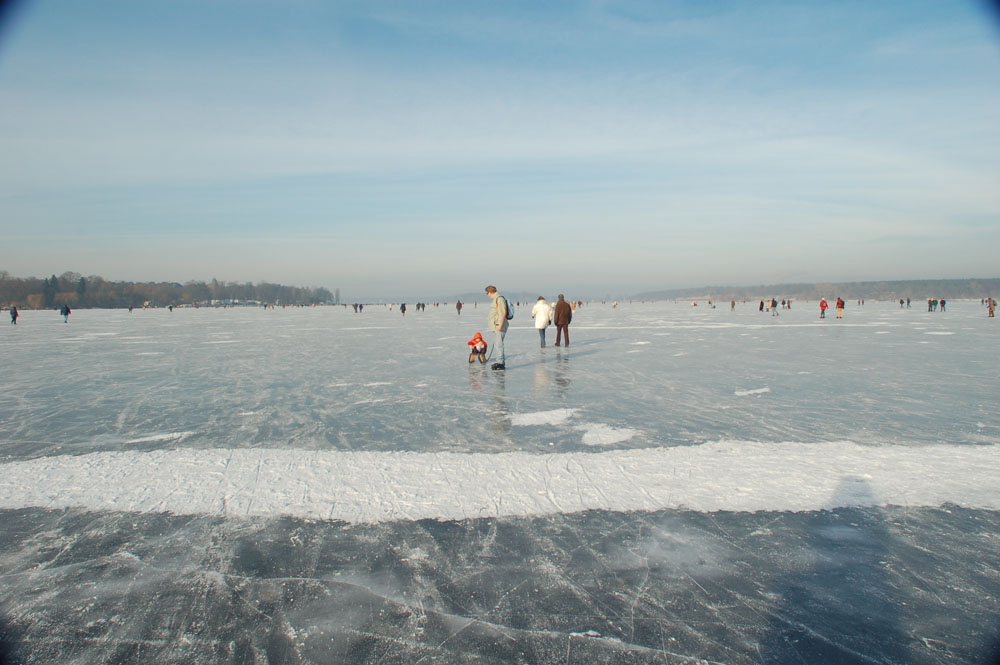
(9, 648)
(841, 608)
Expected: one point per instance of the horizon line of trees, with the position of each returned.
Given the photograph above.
(75, 290)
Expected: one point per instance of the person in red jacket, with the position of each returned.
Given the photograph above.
(477, 348)
(822, 308)
(840, 308)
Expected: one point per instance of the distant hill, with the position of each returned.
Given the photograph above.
(917, 289)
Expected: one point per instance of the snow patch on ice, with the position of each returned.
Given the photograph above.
(370, 487)
(639, 343)
(599, 434)
(755, 391)
(169, 436)
(942, 332)
(554, 417)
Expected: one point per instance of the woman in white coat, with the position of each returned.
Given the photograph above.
(542, 314)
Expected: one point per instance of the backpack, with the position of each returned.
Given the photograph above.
(510, 309)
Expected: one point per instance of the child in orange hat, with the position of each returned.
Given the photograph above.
(477, 348)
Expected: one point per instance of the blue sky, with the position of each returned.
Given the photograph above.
(427, 149)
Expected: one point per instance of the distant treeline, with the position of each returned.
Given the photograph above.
(76, 290)
(917, 289)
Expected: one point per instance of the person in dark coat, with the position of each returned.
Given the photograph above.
(561, 317)
(13, 315)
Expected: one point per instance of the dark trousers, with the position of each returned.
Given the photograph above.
(562, 329)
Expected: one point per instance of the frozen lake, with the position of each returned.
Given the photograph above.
(682, 484)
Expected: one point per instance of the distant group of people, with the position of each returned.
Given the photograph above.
(421, 306)
(933, 303)
(501, 312)
(765, 305)
(824, 305)
(64, 311)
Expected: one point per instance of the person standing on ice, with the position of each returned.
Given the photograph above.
(542, 314)
(458, 307)
(65, 311)
(840, 308)
(822, 308)
(13, 315)
(497, 323)
(562, 316)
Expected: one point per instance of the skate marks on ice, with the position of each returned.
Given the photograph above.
(371, 487)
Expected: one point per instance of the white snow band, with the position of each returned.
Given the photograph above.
(366, 487)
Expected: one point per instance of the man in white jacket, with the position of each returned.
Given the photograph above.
(542, 314)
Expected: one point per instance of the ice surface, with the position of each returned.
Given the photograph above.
(682, 484)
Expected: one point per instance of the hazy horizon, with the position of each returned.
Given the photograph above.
(873, 289)
(607, 148)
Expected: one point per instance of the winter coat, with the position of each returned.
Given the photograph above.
(477, 343)
(498, 313)
(563, 314)
(542, 313)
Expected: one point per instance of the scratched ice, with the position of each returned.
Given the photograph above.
(681, 484)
